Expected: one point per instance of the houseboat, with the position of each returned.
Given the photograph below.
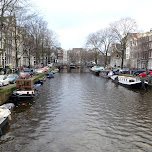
(24, 90)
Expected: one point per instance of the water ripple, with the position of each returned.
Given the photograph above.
(82, 112)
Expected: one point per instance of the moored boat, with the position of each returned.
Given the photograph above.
(133, 82)
(39, 82)
(56, 70)
(5, 115)
(50, 75)
(24, 90)
(96, 70)
(110, 74)
(114, 78)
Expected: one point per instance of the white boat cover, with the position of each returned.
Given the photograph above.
(9, 106)
(4, 112)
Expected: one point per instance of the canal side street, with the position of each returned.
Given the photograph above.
(6, 91)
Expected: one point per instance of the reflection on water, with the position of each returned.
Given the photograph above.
(82, 113)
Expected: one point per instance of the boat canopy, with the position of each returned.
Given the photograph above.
(23, 84)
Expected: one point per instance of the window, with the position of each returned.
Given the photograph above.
(150, 45)
(150, 54)
(28, 83)
(150, 38)
(131, 80)
(23, 83)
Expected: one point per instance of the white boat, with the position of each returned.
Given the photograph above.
(110, 74)
(56, 70)
(133, 82)
(114, 78)
(24, 90)
(5, 115)
(96, 70)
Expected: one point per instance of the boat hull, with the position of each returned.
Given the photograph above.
(17, 99)
(129, 82)
(3, 122)
(141, 85)
(95, 72)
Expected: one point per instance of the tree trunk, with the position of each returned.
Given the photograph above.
(123, 53)
(106, 59)
(29, 62)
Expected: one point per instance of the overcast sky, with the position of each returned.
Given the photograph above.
(73, 20)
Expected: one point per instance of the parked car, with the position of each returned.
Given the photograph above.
(124, 71)
(24, 75)
(144, 74)
(4, 80)
(44, 69)
(136, 73)
(2, 71)
(30, 71)
(50, 65)
(12, 78)
(116, 69)
(38, 71)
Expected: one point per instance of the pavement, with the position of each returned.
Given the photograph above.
(7, 87)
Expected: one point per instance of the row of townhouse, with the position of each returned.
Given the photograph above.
(138, 54)
(12, 45)
(18, 47)
(76, 56)
(5, 57)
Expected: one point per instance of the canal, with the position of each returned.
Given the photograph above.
(81, 113)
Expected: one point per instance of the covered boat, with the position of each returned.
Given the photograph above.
(24, 89)
(5, 115)
(50, 75)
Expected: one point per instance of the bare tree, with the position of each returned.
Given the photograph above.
(121, 30)
(107, 38)
(11, 17)
(51, 42)
(21, 31)
(44, 39)
(94, 44)
(37, 28)
(29, 32)
(6, 11)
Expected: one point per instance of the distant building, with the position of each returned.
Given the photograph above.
(65, 57)
(5, 57)
(77, 56)
(115, 60)
(130, 60)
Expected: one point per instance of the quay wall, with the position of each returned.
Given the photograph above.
(6, 93)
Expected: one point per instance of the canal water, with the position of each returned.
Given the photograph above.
(81, 113)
